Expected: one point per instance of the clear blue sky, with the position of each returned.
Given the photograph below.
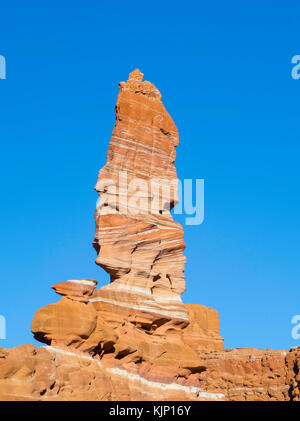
(224, 70)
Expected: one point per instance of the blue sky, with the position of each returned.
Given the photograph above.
(224, 70)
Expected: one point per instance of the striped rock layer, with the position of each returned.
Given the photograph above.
(53, 374)
(136, 239)
(134, 339)
(136, 326)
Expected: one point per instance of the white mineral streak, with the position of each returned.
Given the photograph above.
(170, 313)
(137, 378)
(83, 282)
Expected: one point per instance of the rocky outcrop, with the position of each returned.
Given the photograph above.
(134, 339)
(136, 239)
(50, 374)
(70, 321)
(203, 333)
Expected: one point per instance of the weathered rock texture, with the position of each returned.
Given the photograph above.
(134, 339)
(203, 333)
(46, 373)
(137, 241)
(70, 321)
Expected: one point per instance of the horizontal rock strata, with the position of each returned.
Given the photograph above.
(137, 241)
(134, 339)
(47, 373)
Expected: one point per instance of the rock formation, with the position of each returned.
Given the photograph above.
(137, 241)
(49, 374)
(202, 332)
(134, 339)
(70, 321)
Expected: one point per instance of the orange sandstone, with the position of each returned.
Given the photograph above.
(134, 339)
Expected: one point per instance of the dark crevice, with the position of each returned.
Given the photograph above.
(40, 336)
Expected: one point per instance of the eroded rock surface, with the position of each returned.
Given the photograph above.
(134, 339)
(203, 333)
(46, 373)
(136, 239)
(70, 321)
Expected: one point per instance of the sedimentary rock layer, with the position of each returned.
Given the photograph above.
(134, 339)
(137, 324)
(70, 321)
(137, 241)
(203, 332)
(47, 373)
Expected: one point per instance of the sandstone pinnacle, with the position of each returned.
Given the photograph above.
(134, 339)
